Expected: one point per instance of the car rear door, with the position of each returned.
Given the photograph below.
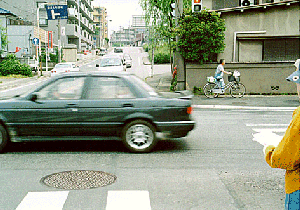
(106, 104)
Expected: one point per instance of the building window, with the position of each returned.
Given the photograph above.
(281, 49)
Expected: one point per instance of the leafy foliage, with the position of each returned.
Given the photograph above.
(11, 65)
(201, 36)
(4, 41)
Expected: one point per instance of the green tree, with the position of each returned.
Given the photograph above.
(4, 41)
(201, 36)
(157, 15)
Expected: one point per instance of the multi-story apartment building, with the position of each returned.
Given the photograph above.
(101, 27)
(123, 37)
(77, 30)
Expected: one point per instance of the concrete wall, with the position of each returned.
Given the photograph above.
(258, 78)
(276, 21)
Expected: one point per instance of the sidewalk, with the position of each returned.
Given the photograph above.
(162, 82)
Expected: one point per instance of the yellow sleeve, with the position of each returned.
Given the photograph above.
(287, 154)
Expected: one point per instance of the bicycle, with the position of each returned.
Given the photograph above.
(236, 89)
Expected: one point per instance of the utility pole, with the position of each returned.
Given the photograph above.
(178, 58)
(59, 37)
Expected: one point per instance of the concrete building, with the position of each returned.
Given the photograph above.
(141, 29)
(262, 42)
(77, 30)
(123, 37)
(101, 26)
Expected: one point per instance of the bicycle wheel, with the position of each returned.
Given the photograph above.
(208, 90)
(237, 90)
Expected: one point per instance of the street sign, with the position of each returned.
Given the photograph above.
(35, 41)
(57, 11)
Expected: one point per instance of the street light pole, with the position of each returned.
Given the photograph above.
(59, 37)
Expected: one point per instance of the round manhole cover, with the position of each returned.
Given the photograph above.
(79, 180)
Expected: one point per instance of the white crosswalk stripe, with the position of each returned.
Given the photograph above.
(268, 134)
(128, 200)
(53, 200)
(116, 200)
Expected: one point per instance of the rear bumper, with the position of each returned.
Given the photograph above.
(175, 129)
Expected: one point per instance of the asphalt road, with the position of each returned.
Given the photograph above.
(217, 166)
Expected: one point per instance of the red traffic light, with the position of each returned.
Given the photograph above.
(197, 1)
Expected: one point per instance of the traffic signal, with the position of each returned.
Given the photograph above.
(196, 5)
(172, 13)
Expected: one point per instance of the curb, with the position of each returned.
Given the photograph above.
(243, 107)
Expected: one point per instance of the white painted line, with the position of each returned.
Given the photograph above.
(44, 200)
(270, 130)
(267, 125)
(128, 200)
(242, 107)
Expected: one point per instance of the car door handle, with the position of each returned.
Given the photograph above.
(71, 105)
(127, 105)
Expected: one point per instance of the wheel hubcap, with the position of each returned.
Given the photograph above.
(139, 136)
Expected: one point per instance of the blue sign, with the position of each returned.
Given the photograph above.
(57, 12)
(35, 41)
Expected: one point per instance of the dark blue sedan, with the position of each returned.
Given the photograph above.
(95, 106)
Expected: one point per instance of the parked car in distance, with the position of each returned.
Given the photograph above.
(118, 50)
(64, 68)
(95, 106)
(111, 63)
(102, 51)
(128, 60)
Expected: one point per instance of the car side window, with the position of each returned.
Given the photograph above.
(69, 88)
(108, 88)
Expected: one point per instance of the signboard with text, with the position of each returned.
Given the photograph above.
(57, 12)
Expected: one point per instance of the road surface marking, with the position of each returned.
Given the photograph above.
(44, 200)
(267, 125)
(267, 136)
(128, 200)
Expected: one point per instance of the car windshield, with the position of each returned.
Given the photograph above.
(110, 62)
(144, 85)
(62, 65)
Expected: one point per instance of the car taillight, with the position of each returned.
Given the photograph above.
(189, 110)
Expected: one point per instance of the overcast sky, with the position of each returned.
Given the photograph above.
(119, 11)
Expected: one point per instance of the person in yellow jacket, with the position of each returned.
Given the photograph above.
(287, 156)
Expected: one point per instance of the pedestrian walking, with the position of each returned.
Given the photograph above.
(295, 76)
(287, 156)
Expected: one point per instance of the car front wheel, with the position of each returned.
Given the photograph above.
(139, 136)
(3, 138)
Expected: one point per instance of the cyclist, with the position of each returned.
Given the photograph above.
(219, 74)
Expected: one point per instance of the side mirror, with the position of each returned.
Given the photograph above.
(97, 65)
(33, 97)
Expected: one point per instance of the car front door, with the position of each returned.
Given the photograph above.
(55, 112)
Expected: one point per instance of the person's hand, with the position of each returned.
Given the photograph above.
(268, 148)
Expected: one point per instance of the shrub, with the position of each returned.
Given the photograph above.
(11, 65)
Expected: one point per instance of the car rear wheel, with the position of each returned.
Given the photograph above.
(3, 138)
(139, 136)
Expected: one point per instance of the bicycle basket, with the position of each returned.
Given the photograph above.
(211, 79)
(231, 78)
